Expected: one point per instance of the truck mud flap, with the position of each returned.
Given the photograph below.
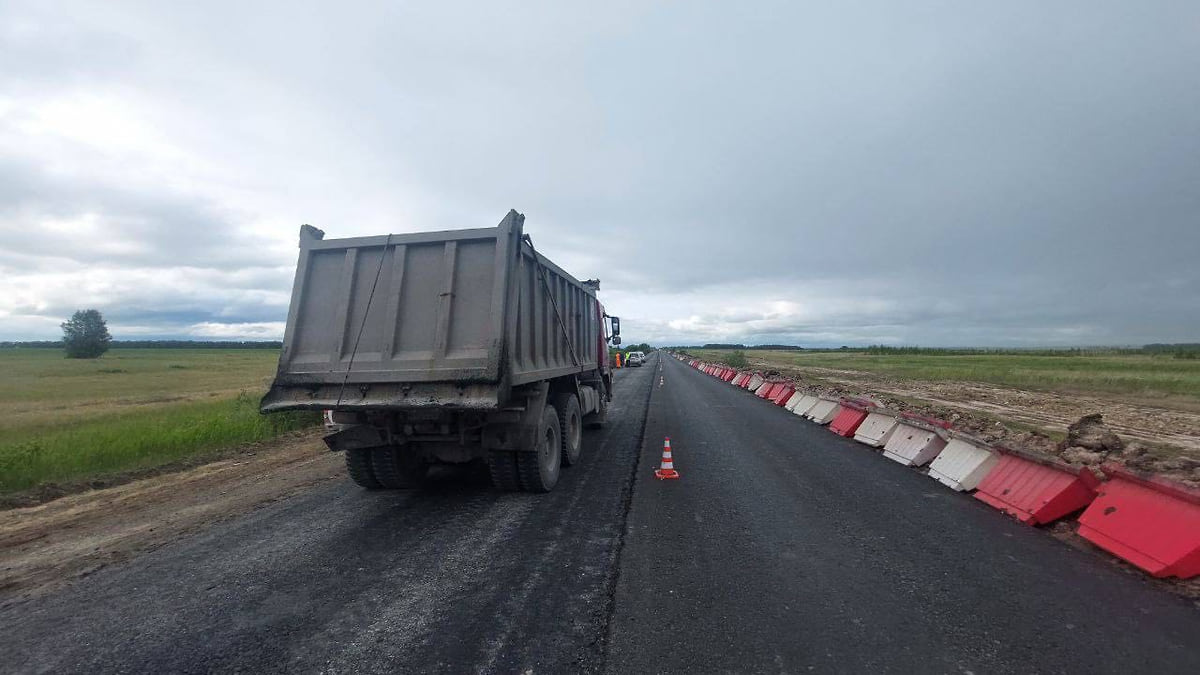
(355, 437)
(1151, 522)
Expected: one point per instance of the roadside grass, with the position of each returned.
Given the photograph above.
(65, 419)
(1145, 376)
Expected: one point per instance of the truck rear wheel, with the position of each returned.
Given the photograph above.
(358, 465)
(538, 470)
(398, 468)
(570, 427)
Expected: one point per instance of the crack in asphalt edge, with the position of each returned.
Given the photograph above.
(610, 590)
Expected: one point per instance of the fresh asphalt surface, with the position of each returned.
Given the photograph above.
(783, 548)
(786, 548)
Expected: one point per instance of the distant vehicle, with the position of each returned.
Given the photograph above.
(635, 359)
(445, 347)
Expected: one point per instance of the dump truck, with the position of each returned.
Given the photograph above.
(445, 347)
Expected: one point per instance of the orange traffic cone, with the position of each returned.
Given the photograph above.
(668, 467)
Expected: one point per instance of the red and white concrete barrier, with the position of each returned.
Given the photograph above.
(1149, 521)
(793, 400)
(805, 404)
(964, 462)
(782, 394)
(823, 411)
(877, 429)
(915, 442)
(849, 416)
(1036, 490)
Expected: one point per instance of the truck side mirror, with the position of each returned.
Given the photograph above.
(616, 339)
(616, 327)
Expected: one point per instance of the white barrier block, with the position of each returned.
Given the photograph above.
(793, 400)
(805, 404)
(824, 411)
(962, 464)
(755, 382)
(877, 429)
(913, 446)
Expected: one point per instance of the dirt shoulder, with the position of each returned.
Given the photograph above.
(1155, 439)
(46, 546)
(1053, 412)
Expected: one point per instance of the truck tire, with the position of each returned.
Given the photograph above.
(398, 469)
(538, 469)
(570, 429)
(502, 466)
(358, 465)
(597, 419)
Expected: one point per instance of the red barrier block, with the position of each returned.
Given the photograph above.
(767, 390)
(1151, 522)
(782, 394)
(849, 417)
(1036, 490)
(730, 374)
(740, 379)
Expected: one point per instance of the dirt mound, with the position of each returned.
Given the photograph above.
(1089, 433)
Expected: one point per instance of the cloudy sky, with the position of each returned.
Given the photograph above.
(933, 173)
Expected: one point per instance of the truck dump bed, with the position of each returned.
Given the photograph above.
(433, 318)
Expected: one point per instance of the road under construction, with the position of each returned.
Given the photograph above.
(781, 547)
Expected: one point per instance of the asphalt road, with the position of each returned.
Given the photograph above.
(783, 548)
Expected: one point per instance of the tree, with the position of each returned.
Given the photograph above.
(86, 335)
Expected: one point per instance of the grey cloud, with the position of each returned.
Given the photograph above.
(146, 227)
(1020, 173)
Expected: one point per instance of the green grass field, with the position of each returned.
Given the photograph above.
(1145, 376)
(66, 419)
